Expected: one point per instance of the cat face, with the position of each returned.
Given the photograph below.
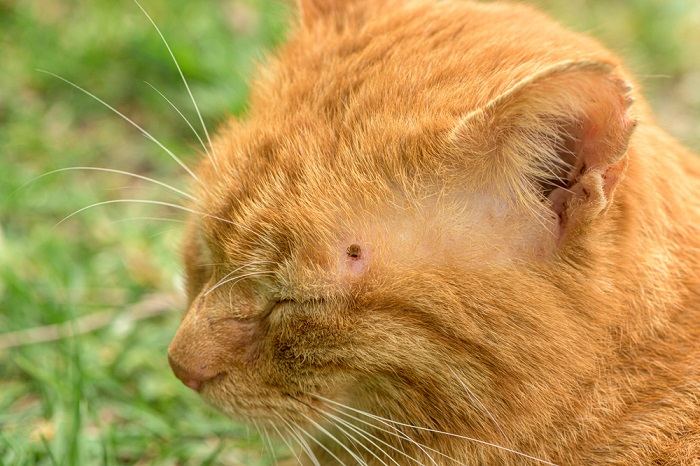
(398, 215)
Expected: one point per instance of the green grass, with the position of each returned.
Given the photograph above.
(108, 397)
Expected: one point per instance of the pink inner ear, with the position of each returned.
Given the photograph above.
(599, 148)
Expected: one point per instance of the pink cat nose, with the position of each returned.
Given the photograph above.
(193, 378)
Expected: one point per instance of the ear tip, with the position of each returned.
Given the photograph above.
(626, 89)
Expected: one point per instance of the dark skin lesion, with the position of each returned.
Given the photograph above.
(354, 252)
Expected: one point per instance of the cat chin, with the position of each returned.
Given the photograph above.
(254, 407)
(245, 411)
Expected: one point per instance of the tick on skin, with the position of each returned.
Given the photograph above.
(354, 252)
(356, 259)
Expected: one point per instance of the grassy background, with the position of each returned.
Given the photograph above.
(108, 397)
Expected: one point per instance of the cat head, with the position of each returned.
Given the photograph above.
(419, 199)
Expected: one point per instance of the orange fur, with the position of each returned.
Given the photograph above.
(442, 213)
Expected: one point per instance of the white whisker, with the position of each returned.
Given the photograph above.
(304, 445)
(478, 402)
(266, 438)
(113, 170)
(127, 119)
(354, 440)
(257, 428)
(141, 201)
(365, 435)
(335, 439)
(284, 439)
(320, 444)
(307, 448)
(399, 434)
(223, 279)
(196, 134)
(236, 279)
(184, 81)
(157, 219)
(450, 434)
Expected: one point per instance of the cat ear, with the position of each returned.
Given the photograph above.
(557, 138)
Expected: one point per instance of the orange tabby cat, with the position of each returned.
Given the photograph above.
(448, 233)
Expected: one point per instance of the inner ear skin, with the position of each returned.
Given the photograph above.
(559, 189)
(597, 143)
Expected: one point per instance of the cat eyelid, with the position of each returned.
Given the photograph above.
(275, 304)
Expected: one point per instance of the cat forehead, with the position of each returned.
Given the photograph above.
(338, 125)
(393, 225)
(399, 56)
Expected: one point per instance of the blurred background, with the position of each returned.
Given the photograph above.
(111, 274)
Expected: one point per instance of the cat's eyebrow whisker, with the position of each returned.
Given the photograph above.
(335, 439)
(196, 134)
(184, 81)
(236, 279)
(248, 264)
(450, 434)
(139, 201)
(211, 264)
(157, 219)
(112, 170)
(127, 119)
